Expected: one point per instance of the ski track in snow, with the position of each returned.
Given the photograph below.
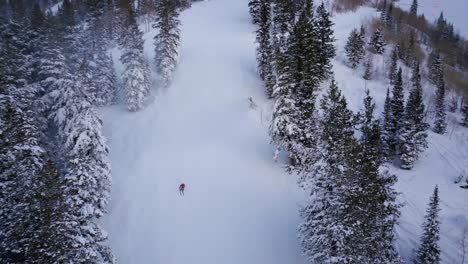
(239, 206)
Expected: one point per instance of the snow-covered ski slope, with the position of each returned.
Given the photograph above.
(444, 160)
(239, 206)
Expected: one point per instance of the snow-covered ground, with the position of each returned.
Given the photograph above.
(239, 206)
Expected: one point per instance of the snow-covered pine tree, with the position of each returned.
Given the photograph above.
(398, 113)
(299, 83)
(326, 47)
(392, 73)
(408, 50)
(265, 48)
(99, 63)
(377, 42)
(136, 76)
(440, 122)
(371, 140)
(324, 233)
(254, 9)
(21, 156)
(302, 51)
(465, 113)
(368, 70)
(436, 68)
(387, 124)
(355, 48)
(167, 41)
(373, 198)
(283, 21)
(414, 8)
(414, 135)
(105, 78)
(429, 250)
(48, 243)
(87, 174)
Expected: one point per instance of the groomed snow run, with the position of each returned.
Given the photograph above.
(239, 206)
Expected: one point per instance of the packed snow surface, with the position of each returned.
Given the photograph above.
(239, 206)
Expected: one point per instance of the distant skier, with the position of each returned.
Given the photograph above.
(181, 188)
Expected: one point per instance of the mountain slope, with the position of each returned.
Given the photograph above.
(239, 206)
(444, 160)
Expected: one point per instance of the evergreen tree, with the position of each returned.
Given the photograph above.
(265, 48)
(326, 48)
(48, 234)
(324, 232)
(414, 136)
(21, 156)
(414, 8)
(368, 71)
(375, 210)
(136, 76)
(283, 21)
(398, 113)
(409, 56)
(392, 74)
(377, 42)
(465, 113)
(387, 125)
(429, 250)
(255, 7)
(298, 86)
(440, 123)
(167, 41)
(436, 69)
(355, 48)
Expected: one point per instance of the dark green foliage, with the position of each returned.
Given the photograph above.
(265, 47)
(377, 42)
(355, 48)
(429, 250)
(326, 49)
(387, 124)
(414, 8)
(465, 113)
(413, 139)
(440, 123)
(48, 243)
(392, 73)
(398, 112)
(436, 68)
(255, 7)
(167, 41)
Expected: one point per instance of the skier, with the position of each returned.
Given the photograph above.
(181, 188)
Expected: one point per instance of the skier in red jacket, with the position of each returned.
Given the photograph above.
(181, 188)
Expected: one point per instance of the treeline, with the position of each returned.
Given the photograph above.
(353, 209)
(55, 68)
